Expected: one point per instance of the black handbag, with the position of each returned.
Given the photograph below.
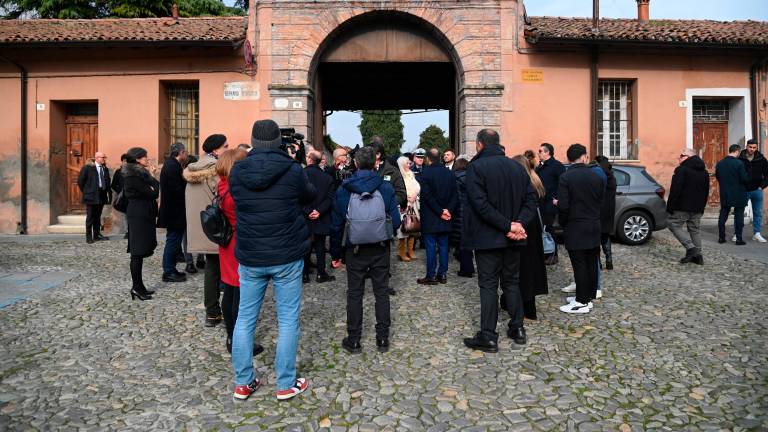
(121, 203)
(215, 224)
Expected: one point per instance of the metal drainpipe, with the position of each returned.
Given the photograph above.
(753, 94)
(24, 79)
(593, 85)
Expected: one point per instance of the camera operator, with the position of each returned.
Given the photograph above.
(293, 144)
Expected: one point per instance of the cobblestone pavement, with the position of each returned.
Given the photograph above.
(668, 347)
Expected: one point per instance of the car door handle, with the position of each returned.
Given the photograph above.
(619, 193)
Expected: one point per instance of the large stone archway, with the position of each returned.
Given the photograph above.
(299, 33)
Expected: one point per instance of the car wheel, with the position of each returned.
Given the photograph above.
(634, 228)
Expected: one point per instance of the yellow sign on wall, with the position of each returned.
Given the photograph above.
(533, 75)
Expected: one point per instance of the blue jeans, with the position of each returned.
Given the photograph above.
(738, 222)
(756, 196)
(435, 243)
(173, 240)
(286, 281)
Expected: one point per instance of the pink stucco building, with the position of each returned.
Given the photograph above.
(636, 90)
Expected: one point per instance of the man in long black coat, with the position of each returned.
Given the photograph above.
(439, 202)
(318, 214)
(580, 200)
(94, 183)
(500, 201)
(172, 215)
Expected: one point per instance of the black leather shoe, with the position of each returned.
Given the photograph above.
(322, 278)
(426, 281)
(212, 321)
(740, 243)
(698, 259)
(305, 278)
(689, 254)
(200, 263)
(391, 291)
(382, 344)
(178, 273)
(174, 277)
(481, 344)
(608, 265)
(517, 335)
(465, 275)
(142, 296)
(89, 240)
(101, 238)
(190, 268)
(352, 347)
(442, 279)
(721, 240)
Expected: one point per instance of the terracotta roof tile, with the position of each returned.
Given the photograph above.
(218, 29)
(694, 32)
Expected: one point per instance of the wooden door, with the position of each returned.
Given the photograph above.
(82, 143)
(710, 140)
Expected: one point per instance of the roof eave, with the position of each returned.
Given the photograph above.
(538, 40)
(234, 43)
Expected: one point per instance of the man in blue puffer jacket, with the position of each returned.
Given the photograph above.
(269, 188)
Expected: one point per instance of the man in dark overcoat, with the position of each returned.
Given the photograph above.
(500, 201)
(318, 214)
(94, 183)
(172, 215)
(732, 177)
(439, 201)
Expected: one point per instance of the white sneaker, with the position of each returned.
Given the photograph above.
(575, 307)
(599, 294)
(759, 238)
(573, 299)
(734, 238)
(570, 288)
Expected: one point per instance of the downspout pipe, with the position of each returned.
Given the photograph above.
(593, 87)
(24, 145)
(753, 94)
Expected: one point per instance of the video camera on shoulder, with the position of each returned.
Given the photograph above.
(293, 144)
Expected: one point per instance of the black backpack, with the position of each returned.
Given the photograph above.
(215, 224)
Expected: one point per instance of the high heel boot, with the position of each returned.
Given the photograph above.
(410, 243)
(608, 253)
(401, 252)
(141, 295)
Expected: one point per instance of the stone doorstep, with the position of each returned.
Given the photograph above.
(68, 224)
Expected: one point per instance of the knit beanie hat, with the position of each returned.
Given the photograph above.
(214, 142)
(134, 153)
(266, 135)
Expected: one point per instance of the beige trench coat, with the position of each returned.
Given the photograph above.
(201, 187)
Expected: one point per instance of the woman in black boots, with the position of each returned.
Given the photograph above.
(608, 211)
(141, 190)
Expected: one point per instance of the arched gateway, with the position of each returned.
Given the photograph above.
(325, 56)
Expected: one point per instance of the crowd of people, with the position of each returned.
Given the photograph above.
(288, 209)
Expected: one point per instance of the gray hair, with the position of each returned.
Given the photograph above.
(689, 152)
(177, 148)
(365, 158)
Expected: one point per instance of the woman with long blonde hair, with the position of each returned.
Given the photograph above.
(533, 271)
(405, 242)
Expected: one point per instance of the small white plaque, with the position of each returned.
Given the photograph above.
(41, 107)
(281, 103)
(683, 104)
(245, 90)
(296, 104)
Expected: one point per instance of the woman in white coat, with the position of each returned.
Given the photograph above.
(405, 242)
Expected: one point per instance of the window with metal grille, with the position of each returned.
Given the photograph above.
(614, 120)
(183, 123)
(711, 110)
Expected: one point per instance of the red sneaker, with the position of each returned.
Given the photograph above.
(242, 392)
(297, 389)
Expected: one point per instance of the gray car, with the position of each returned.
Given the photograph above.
(640, 206)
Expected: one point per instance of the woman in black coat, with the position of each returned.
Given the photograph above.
(533, 270)
(607, 211)
(141, 190)
(465, 256)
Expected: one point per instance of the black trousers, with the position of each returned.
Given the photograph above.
(318, 247)
(498, 267)
(93, 217)
(584, 264)
(212, 285)
(230, 305)
(373, 260)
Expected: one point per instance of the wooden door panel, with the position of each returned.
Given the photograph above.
(710, 140)
(81, 146)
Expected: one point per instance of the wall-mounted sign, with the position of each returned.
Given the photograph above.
(41, 107)
(281, 103)
(532, 75)
(247, 90)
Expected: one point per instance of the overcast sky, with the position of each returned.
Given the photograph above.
(343, 125)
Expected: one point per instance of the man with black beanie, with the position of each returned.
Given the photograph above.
(269, 188)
